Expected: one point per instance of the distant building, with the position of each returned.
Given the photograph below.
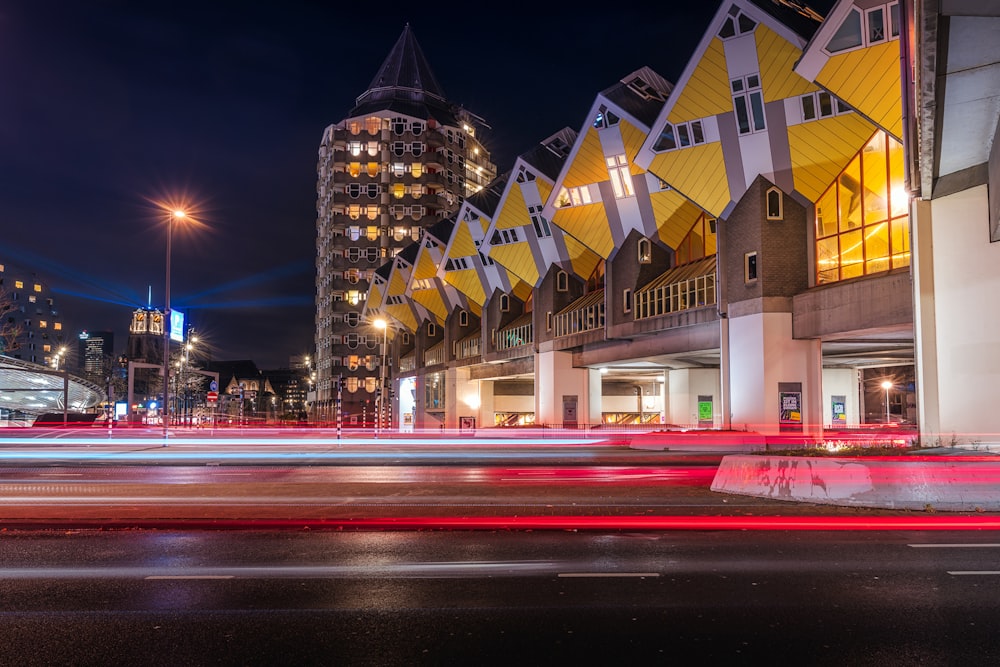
(93, 347)
(404, 159)
(31, 328)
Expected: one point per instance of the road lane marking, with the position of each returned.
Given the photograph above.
(580, 575)
(984, 573)
(189, 576)
(954, 546)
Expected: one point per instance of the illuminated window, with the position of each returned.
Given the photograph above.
(416, 191)
(354, 148)
(353, 297)
(621, 180)
(354, 127)
(354, 169)
(32, 299)
(416, 169)
(354, 212)
(18, 284)
(645, 250)
(371, 233)
(373, 124)
(605, 118)
(373, 169)
(38, 288)
(372, 213)
(862, 221)
(574, 197)
(43, 324)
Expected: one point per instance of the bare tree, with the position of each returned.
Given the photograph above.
(10, 329)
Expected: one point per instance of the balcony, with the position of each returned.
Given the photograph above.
(584, 314)
(681, 288)
(518, 333)
(408, 363)
(469, 347)
(434, 356)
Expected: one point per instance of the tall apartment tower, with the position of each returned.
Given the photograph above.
(404, 159)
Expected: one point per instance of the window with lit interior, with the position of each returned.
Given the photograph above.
(862, 220)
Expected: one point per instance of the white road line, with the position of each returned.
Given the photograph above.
(954, 546)
(984, 573)
(189, 576)
(579, 575)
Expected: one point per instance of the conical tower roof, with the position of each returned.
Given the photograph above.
(405, 83)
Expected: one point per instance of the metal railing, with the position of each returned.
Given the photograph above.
(673, 297)
(586, 318)
(468, 347)
(515, 336)
(434, 355)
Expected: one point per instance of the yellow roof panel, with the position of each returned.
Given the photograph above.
(403, 314)
(517, 259)
(589, 224)
(633, 138)
(588, 165)
(706, 93)
(583, 259)
(821, 149)
(514, 212)
(426, 266)
(432, 301)
(777, 56)
(462, 244)
(468, 283)
(699, 172)
(397, 284)
(522, 290)
(877, 94)
(674, 216)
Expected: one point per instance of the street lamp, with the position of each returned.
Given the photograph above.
(887, 385)
(380, 323)
(177, 214)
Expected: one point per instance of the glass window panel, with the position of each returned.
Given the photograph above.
(852, 255)
(825, 105)
(849, 196)
(894, 19)
(742, 117)
(753, 81)
(877, 248)
(808, 107)
(827, 260)
(682, 135)
(826, 213)
(757, 100)
(900, 242)
(876, 180)
(876, 26)
(696, 132)
(354, 169)
(728, 28)
(373, 169)
(848, 36)
(746, 23)
(737, 85)
(666, 140)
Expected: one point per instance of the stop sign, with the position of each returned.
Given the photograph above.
(212, 396)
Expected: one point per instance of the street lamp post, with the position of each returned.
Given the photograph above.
(887, 385)
(384, 326)
(175, 215)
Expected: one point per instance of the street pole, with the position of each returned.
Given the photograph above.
(176, 215)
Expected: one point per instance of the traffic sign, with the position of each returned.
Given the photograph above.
(213, 386)
(212, 396)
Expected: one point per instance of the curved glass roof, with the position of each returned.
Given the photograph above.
(34, 390)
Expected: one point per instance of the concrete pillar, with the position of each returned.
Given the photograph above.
(685, 386)
(956, 277)
(556, 380)
(763, 355)
(595, 401)
(461, 398)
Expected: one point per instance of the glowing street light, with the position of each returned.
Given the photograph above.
(176, 214)
(382, 324)
(887, 385)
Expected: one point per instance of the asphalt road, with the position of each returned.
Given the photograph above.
(498, 598)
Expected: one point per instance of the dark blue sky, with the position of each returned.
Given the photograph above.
(107, 106)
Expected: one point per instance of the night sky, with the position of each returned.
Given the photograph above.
(109, 107)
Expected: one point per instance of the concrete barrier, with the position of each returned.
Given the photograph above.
(937, 482)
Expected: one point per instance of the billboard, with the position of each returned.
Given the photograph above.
(177, 326)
